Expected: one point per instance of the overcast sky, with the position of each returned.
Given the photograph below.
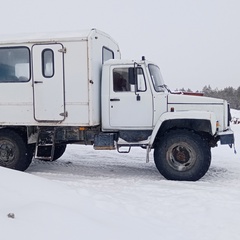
(195, 42)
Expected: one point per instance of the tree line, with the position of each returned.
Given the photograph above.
(229, 93)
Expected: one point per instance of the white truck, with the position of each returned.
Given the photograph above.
(73, 88)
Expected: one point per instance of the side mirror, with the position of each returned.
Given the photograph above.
(132, 76)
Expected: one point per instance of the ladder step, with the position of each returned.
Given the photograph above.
(45, 145)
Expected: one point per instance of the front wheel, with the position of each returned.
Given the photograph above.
(182, 155)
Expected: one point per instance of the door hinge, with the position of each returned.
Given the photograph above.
(64, 114)
(63, 50)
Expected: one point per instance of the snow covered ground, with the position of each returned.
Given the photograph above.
(89, 194)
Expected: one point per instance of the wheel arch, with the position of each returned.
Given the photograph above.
(201, 122)
(21, 131)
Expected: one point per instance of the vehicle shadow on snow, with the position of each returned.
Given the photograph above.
(115, 170)
(99, 170)
(216, 174)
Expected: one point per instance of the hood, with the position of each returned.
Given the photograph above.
(189, 99)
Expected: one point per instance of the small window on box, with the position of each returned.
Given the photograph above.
(107, 54)
(48, 63)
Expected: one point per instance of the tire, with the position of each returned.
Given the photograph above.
(14, 153)
(31, 150)
(58, 152)
(182, 155)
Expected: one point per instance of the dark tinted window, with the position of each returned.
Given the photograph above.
(121, 81)
(14, 64)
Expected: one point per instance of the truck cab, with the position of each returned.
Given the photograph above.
(139, 108)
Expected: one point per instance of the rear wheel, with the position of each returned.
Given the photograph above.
(14, 153)
(182, 155)
(59, 151)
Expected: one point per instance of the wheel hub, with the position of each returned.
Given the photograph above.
(6, 152)
(181, 154)
(181, 157)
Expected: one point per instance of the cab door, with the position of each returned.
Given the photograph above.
(131, 105)
(48, 82)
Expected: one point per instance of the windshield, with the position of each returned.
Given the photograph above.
(157, 78)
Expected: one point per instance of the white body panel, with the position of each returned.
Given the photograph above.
(71, 97)
(202, 104)
(44, 87)
(128, 112)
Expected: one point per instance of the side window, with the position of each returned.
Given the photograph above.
(107, 54)
(122, 83)
(141, 83)
(14, 64)
(47, 63)
(120, 80)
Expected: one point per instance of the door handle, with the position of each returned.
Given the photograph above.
(114, 99)
(38, 81)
